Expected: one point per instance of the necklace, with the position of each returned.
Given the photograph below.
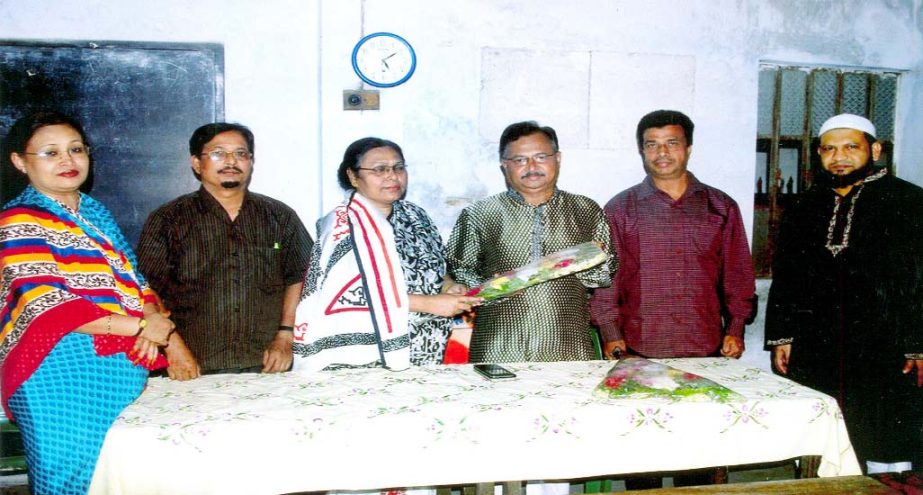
(835, 249)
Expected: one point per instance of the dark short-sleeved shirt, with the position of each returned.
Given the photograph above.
(685, 276)
(224, 280)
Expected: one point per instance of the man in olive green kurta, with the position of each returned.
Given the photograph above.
(549, 321)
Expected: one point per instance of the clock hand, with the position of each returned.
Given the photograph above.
(385, 60)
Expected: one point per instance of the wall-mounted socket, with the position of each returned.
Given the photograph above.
(354, 99)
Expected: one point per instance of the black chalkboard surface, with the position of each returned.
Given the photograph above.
(138, 102)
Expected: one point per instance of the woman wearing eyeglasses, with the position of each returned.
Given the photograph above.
(376, 292)
(80, 328)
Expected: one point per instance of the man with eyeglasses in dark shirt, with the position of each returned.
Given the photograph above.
(227, 263)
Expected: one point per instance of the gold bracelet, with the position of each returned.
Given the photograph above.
(109, 324)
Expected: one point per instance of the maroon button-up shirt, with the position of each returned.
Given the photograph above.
(685, 277)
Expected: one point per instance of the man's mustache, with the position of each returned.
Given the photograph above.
(532, 173)
(232, 167)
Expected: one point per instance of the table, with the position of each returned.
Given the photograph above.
(446, 425)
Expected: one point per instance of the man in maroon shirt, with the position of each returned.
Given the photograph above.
(685, 286)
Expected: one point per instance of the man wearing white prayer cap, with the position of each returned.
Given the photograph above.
(848, 121)
(845, 310)
(838, 170)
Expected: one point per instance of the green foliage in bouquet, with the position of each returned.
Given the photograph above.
(561, 263)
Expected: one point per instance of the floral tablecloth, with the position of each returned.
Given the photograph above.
(442, 425)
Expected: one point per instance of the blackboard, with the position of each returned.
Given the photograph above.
(138, 102)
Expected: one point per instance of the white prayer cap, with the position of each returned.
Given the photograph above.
(848, 121)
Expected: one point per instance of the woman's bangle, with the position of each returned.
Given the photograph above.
(109, 324)
(286, 327)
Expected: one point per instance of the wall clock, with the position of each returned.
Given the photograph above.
(384, 60)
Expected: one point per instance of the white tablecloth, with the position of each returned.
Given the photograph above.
(373, 428)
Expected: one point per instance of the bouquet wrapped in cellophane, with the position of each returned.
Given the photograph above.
(639, 378)
(558, 264)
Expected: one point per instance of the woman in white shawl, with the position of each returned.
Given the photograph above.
(376, 292)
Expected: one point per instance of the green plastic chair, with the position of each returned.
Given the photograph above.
(597, 485)
(597, 342)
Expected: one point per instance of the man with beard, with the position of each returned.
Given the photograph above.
(227, 263)
(531, 219)
(685, 284)
(845, 311)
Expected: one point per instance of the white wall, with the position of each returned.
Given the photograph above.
(589, 68)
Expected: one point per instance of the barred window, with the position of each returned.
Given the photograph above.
(793, 102)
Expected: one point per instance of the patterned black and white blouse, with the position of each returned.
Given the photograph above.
(422, 254)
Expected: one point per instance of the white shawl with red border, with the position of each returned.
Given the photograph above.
(354, 307)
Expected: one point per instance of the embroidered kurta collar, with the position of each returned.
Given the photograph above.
(853, 196)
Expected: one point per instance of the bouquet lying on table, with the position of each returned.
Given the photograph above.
(558, 264)
(639, 378)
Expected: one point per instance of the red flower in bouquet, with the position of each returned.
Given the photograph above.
(614, 381)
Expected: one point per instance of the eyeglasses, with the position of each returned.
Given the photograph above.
(220, 156)
(74, 152)
(671, 145)
(383, 170)
(521, 161)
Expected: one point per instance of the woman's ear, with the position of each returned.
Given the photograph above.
(353, 179)
(18, 162)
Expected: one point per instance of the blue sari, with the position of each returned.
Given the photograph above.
(61, 269)
(65, 409)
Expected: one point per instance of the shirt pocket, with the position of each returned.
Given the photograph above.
(267, 269)
(707, 238)
(194, 259)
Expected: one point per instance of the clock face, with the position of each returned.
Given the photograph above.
(384, 59)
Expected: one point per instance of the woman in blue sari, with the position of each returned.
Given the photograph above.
(79, 327)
